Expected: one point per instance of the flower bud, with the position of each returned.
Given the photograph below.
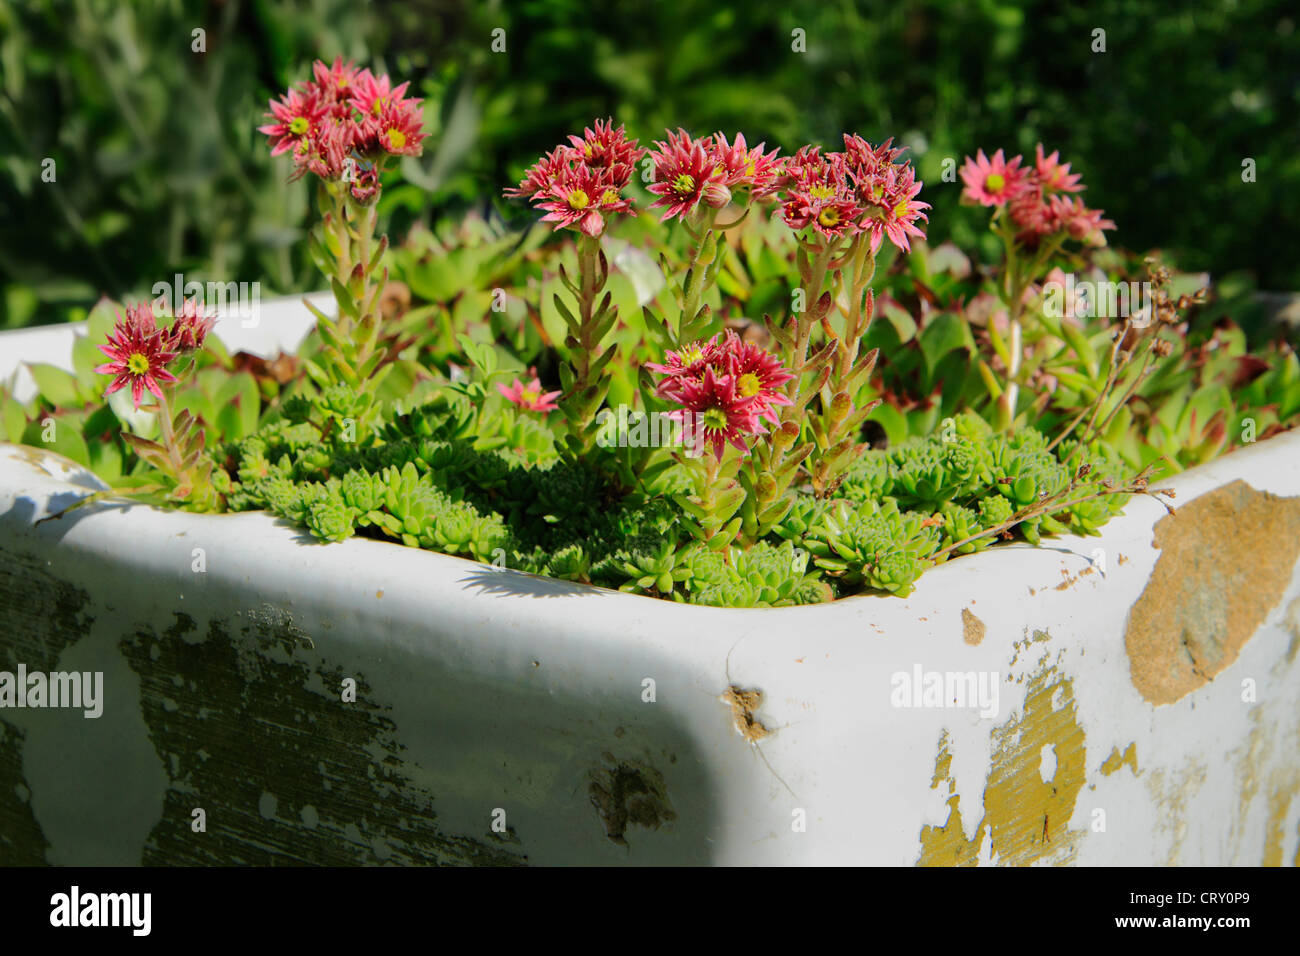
(841, 405)
(785, 436)
(716, 195)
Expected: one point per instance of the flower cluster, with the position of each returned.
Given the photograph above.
(1035, 197)
(578, 185)
(141, 351)
(864, 189)
(726, 388)
(711, 170)
(343, 124)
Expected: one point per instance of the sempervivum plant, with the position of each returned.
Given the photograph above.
(148, 360)
(345, 127)
(765, 389)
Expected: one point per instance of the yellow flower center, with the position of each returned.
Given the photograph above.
(578, 199)
(684, 183)
(137, 364)
(715, 419)
(901, 209)
(829, 217)
(995, 182)
(609, 197)
(749, 385)
(749, 167)
(822, 191)
(397, 138)
(299, 125)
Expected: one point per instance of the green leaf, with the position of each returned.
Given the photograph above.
(892, 421)
(14, 420)
(945, 332)
(106, 460)
(436, 280)
(56, 386)
(64, 438)
(86, 357)
(100, 322)
(899, 318)
(240, 406)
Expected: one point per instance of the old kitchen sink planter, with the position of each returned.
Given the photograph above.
(1143, 705)
(723, 601)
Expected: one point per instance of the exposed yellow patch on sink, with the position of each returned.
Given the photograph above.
(1026, 817)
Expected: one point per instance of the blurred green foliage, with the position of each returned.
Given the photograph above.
(159, 168)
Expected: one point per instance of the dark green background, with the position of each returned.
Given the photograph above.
(159, 168)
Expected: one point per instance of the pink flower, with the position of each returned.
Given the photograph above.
(530, 397)
(759, 374)
(325, 152)
(190, 328)
(687, 364)
(1079, 221)
(992, 182)
(682, 171)
(541, 174)
(726, 388)
(296, 117)
(580, 184)
(818, 192)
(140, 317)
(371, 94)
(807, 161)
(335, 84)
(715, 414)
(140, 352)
(579, 196)
(740, 167)
(822, 207)
(1032, 214)
(867, 160)
(400, 128)
(1054, 175)
(1033, 197)
(888, 191)
(343, 124)
(607, 149)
